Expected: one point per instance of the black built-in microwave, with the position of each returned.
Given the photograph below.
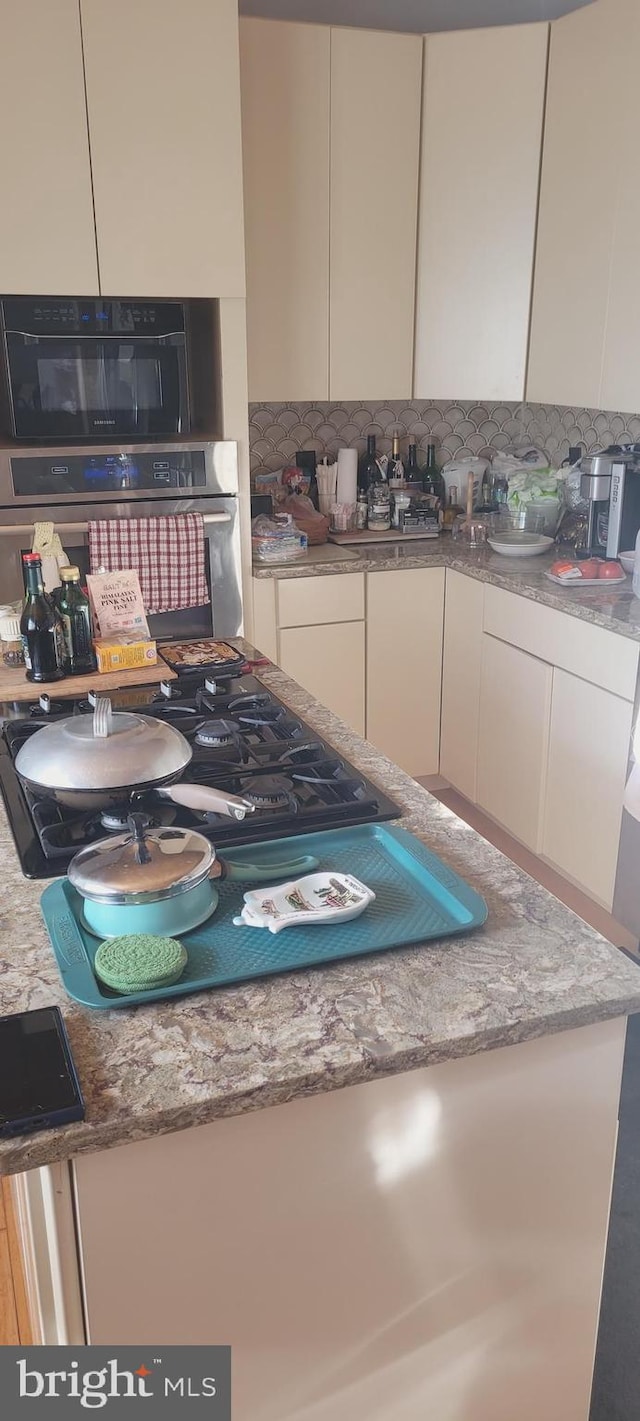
(77, 368)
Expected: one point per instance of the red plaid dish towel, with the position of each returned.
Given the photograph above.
(168, 554)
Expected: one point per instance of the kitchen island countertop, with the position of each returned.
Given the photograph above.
(534, 969)
(613, 607)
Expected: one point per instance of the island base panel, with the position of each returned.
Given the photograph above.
(430, 1243)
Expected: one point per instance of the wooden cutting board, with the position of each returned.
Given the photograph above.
(15, 687)
(373, 535)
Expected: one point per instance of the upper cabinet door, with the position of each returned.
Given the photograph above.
(580, 178)
(47, 236)
(163, 95)
(285, 138)
(620, 384)
(481, 145)
(375, 133)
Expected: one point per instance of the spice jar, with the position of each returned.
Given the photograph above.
(12, 652)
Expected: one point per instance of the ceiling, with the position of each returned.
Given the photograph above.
(423, 16)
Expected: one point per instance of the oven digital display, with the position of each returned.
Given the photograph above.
(42, 475)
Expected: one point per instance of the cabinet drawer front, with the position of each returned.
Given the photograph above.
(316, 601)
(591, 652)
(329, 662)
(588, 753)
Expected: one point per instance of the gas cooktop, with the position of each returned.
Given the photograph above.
(243, 739)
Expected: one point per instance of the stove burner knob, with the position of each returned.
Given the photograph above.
(166, 689)
(44, 701)
(210, 685)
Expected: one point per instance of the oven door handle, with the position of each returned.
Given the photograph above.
(25, 530)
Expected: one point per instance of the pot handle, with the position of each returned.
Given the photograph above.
(267, 873)
(206, 799)
(102, 717)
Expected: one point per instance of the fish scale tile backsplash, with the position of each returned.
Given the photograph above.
(456, 427)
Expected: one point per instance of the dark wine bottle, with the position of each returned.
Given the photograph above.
(73, 606)
(432, 481)
(395, 472)
(413, 472)
(39, 628)
(369, 470)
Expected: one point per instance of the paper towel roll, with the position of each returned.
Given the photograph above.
(347, 487)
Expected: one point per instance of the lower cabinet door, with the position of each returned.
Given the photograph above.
(513, 738)
(462, 660)
(329, 662)
(404, 666)
(588, 754)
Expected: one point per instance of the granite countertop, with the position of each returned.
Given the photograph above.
(533, 969)
(614, 608)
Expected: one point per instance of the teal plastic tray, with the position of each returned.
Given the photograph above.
(417, 899)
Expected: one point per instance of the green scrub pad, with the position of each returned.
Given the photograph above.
(139, 962)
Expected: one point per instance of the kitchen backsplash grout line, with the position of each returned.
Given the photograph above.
(457, 427)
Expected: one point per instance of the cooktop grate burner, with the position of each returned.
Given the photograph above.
(217, 734)
(269, 792)
(243, 741)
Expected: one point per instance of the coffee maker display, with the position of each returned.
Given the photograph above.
(610, 483)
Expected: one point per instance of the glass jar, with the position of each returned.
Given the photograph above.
(379, 507)
(12, 650)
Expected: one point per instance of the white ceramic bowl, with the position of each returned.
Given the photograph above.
(627, 560)
(520, 545)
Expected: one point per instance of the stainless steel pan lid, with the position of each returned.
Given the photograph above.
(103, 751)
(143, 865)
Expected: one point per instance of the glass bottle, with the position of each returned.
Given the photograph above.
(413, 473)
(39, 627)
(379, 500)
(433, 484)
(368, 471)
(395, 471)
(452, 509)
(73, 605)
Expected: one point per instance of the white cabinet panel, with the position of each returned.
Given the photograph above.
(329, 662)
(285, 139)
(464, 598)
(47, 234)
(481, 145)
(603, 657)
(404, 630)
(588, 754)
(375, 138)
(163, 96)
(308, 601)
(583, 153)
(515, 706)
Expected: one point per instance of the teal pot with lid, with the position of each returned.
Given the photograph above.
(160, 881)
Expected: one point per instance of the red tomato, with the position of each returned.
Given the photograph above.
(591, 567)
(610, 570)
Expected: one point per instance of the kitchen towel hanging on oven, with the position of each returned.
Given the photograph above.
(168, 554)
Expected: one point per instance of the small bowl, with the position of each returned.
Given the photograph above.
(627, 560)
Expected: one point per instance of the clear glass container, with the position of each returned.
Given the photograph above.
(379, 507)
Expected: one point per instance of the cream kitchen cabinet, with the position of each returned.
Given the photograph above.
(47, 234)
(461, 666)
(404, 666)
(328, 661)
(331, 196)
(375, 140)
(588, 754)
(590, 149)
(513, 737)
(285, 82)
(482, 122)
(163, 102)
